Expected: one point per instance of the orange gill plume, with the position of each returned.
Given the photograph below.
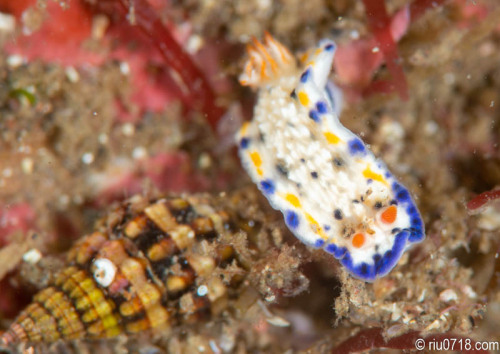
(267, 61)
(150, 265)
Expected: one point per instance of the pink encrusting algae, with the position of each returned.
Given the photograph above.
(67, 45)
(195, 88)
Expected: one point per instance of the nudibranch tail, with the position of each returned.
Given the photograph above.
(333, 192)
(267, 61)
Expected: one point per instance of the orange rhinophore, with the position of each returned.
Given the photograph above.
(267, 61)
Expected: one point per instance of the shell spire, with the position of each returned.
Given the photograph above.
(267, 62)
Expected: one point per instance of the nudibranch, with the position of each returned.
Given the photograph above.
(333, 192)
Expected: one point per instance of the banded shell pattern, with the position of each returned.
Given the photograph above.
(150, 265)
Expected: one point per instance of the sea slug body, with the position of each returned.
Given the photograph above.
(333, 192)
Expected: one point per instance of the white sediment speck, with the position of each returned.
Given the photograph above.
(15, 60)
(88, 158)
(32, 256)
(7, 22)
(354, 34)
(128, 129)
(215, 348)
(103, 138)
(24, 149)
(194, 44)
(202, 290)
(467, 290)
(396, 312)
(205, 161)
(139, 152)
(124, 68)
(489, 218)
(431, 127)
(100, 24)
(27, 165)
(448, 295)
(72, 74)
(278, 321)
(422, 295)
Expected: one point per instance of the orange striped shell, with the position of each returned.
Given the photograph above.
(151, 265)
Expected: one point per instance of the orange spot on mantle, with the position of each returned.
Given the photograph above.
(389, 215)
(358, 240)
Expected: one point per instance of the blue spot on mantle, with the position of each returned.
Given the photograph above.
(319, 243)
(329, 47)
(314, 115)
(304, 76)
(322, 107)
(244, 142)
(356, 146)
(267, 186)
(292, 219)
